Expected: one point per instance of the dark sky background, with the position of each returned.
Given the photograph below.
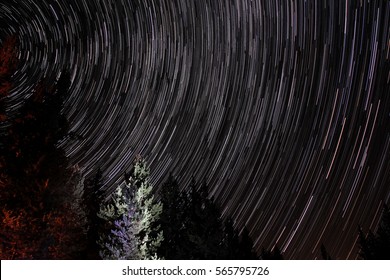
(282, 106)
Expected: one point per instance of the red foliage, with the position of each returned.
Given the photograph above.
(8, 57)
(18, 235)
(5, 87)
(8, 64)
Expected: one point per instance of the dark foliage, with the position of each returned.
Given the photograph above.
(93, 197)
(172, 221)
(193, 227)
(377, 246)
(324, 253)
(246, 247)
(273, 254)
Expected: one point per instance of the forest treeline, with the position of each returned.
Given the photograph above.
(50, 211)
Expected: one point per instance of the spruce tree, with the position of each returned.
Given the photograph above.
(118, 239)
(132, 218)
(170, 221)
(231, 241)
(376, 246)
(246, 251)
(174, 221)
(203, 224)
(92, 199)
(193, 227)
(273, 254)
(324, 253)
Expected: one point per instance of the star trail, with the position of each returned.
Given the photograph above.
(283, 107)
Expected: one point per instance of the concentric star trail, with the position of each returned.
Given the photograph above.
(283, 107)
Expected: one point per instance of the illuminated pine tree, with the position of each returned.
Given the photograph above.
(118, 240)
(132, 218)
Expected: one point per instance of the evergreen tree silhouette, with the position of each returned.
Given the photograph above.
(324, 253)
(193, 227)
(246, 247)
(273, 254)
(92, 200)
(203, 224)
(376, 246)
(231, 242)
(173, 224)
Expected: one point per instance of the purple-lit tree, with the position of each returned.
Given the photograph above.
(132, 219)
(119, 240)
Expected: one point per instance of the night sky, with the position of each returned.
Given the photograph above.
(282, 106)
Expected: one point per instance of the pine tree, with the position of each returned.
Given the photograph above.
(118, 240)
(193, 227)
(173, 221)
(67, 225)
(274, 254)
(237, 246)
(92, 199)
(203, 224)
(376, 246)
(132, 218)
(246, 251)
(231, 241)
(324, 253)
